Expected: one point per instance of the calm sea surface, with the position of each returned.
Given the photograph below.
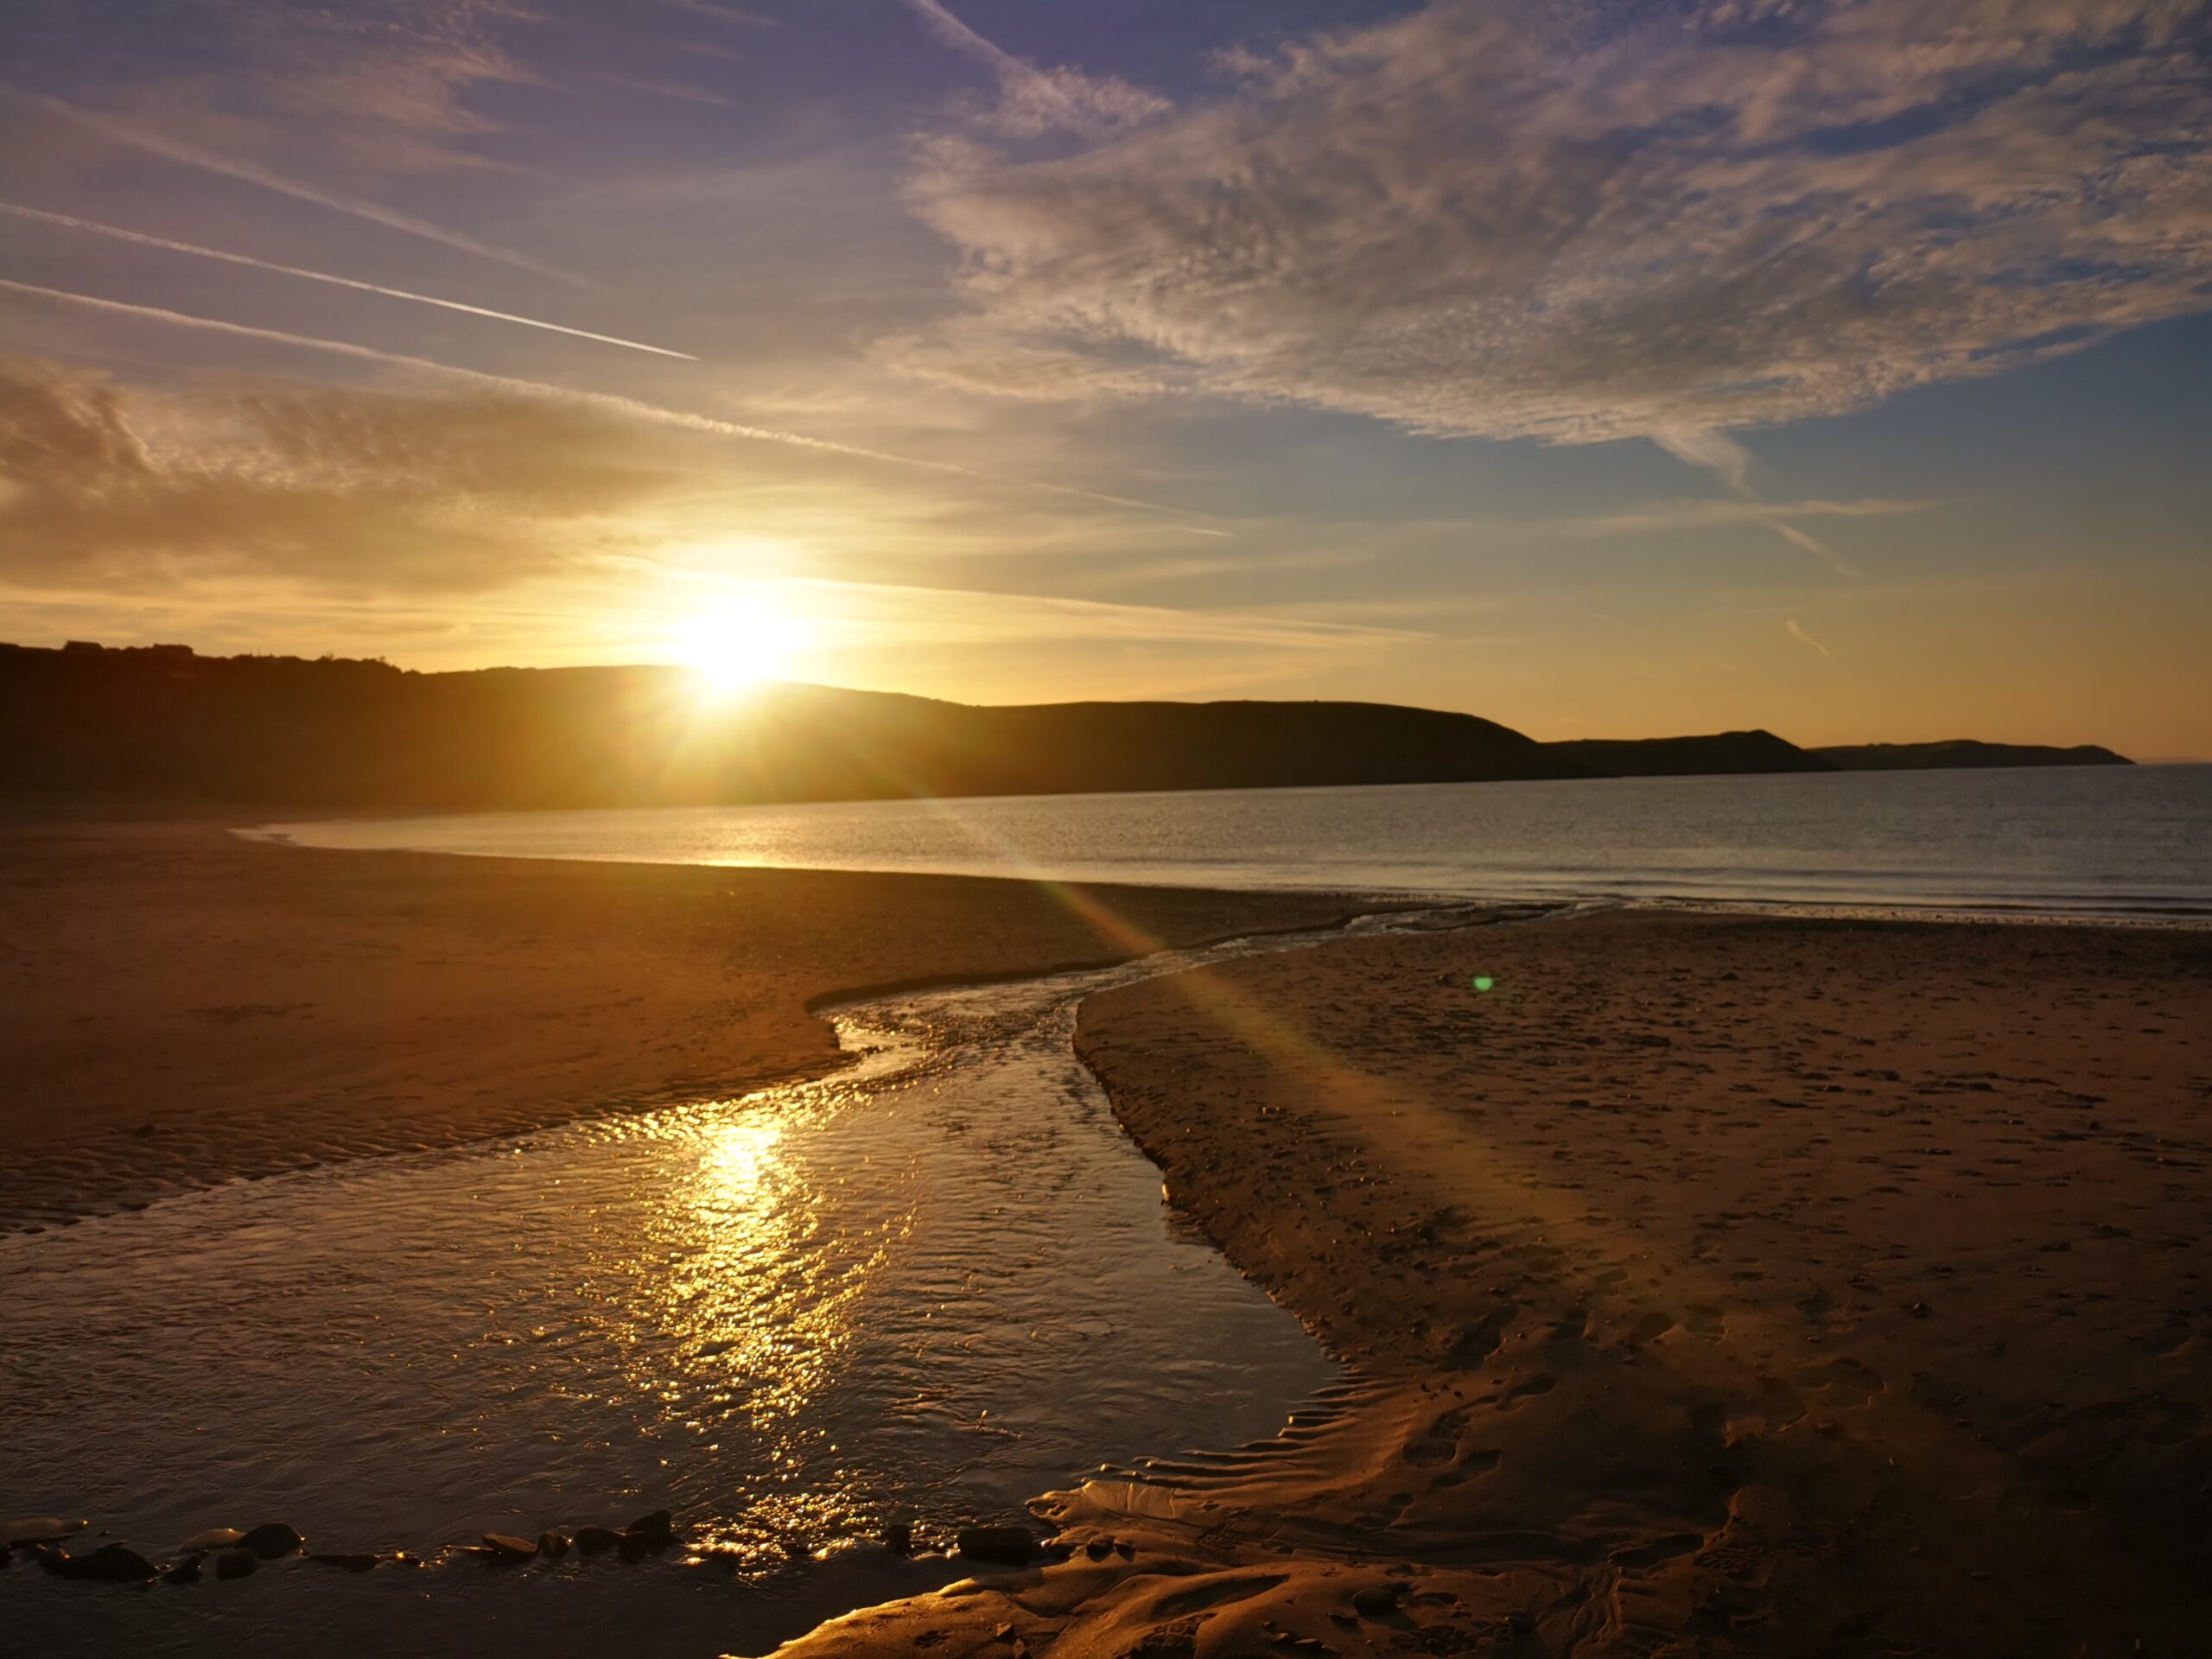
(2105, 841)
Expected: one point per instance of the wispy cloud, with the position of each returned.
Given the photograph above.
(1477, 220)
(653, 87)
(1034, 100)
(608, 401)
(1814, 546)
(68, 221)
(119, 130)
(723, 12)
(1780, 516)
(1791, 627)
(1716, 452)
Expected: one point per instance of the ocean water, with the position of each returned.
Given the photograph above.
(2090, 841)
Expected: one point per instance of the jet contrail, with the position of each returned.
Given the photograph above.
(608, 400)
(70, 222)
(125, 133)
(1789, 626)
(1814, 546)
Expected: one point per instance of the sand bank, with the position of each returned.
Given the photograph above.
(1713, 1284)
(179, 1007)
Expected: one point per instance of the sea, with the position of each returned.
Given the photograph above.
(2116, 843)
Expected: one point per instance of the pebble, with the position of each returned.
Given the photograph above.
(273, 1538)
(110, 1564)
(213, 1538)
(236, 1564)
(185, 1572)
(655, 1528)
(1011, 1545)
(38, 1530)
(509, 1547)
(1374, 1601)
(591, 1540)
(553, 1545)
(899, 1537)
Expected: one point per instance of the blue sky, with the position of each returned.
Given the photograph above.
(1605, 370)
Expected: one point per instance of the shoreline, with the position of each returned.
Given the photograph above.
(186, 1006)
(1638, 1391)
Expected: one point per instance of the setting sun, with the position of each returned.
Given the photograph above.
(739, 642)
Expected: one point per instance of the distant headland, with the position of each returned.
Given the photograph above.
(164, 721)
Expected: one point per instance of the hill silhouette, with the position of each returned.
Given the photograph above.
(1962, 753)
(338, 733)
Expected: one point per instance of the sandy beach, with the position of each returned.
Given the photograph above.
(1707, 1283)
(1711, 1285)
(184, 1007)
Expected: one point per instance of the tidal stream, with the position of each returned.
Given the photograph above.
(926, 1288)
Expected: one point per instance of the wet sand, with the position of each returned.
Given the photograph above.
(1713, 1285)
(179, 1007)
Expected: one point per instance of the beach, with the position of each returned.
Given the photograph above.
(1705, 1283)
(186, 1007)
(1710, 1285)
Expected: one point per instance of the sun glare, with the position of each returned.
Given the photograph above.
(739, 644)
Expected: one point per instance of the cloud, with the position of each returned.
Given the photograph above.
(370, 492)
(1490, 218)
(1716, 452)
(1032, 100)
(657, 88)
(1664, 515)
(121, 131)
(722, 12)
(68, 222)
(1789, 626)
(607, 402)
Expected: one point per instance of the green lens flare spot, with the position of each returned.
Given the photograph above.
(1483, 981)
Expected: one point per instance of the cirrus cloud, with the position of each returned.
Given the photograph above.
(1480, 219)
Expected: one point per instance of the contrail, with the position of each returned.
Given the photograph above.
(1789, 626)
(70, 222)
(629, 406)
(1010, 70)
(1814, 546)
(125, 133)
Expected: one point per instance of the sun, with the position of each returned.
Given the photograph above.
(739, 643)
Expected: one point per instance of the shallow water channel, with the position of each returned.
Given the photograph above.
(927, 1288)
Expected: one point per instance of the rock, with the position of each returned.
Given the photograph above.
(508, 1548)
(110, 1564)
(273, 1538)
(635, 1544)
(1099, 1548)
(39, 1529)
(236, 1564)
(214, 1538)
(553, 1545)
(1010, 1545)
(592, 1540)
(656, 1529)
(352, 1561)
(185, 1572)
(1375, 1601)
(899, 1537)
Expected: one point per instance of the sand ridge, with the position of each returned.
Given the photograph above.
(1713, 1284)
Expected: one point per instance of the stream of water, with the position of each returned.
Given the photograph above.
(926, 1288)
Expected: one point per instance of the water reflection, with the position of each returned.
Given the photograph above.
(925, 1289)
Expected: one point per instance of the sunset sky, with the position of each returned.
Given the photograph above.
(1608, 370)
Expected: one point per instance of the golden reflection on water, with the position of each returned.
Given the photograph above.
(751, 1300)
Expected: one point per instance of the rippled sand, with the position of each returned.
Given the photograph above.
(1711, 1285)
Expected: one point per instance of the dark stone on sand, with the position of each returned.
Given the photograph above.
(273, 1538)
(39, 1529)
(553, 1545)
(236, 1564)
(591, 1540)
(110, 1564)
(1375, 1601)
(1099, 1548)
(352, 1561)
(634, 1545)
(185, 1572)
(213, 1538)
(1010, 1545)
(899, 1537)
(508, 1548)
(657, 1527)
